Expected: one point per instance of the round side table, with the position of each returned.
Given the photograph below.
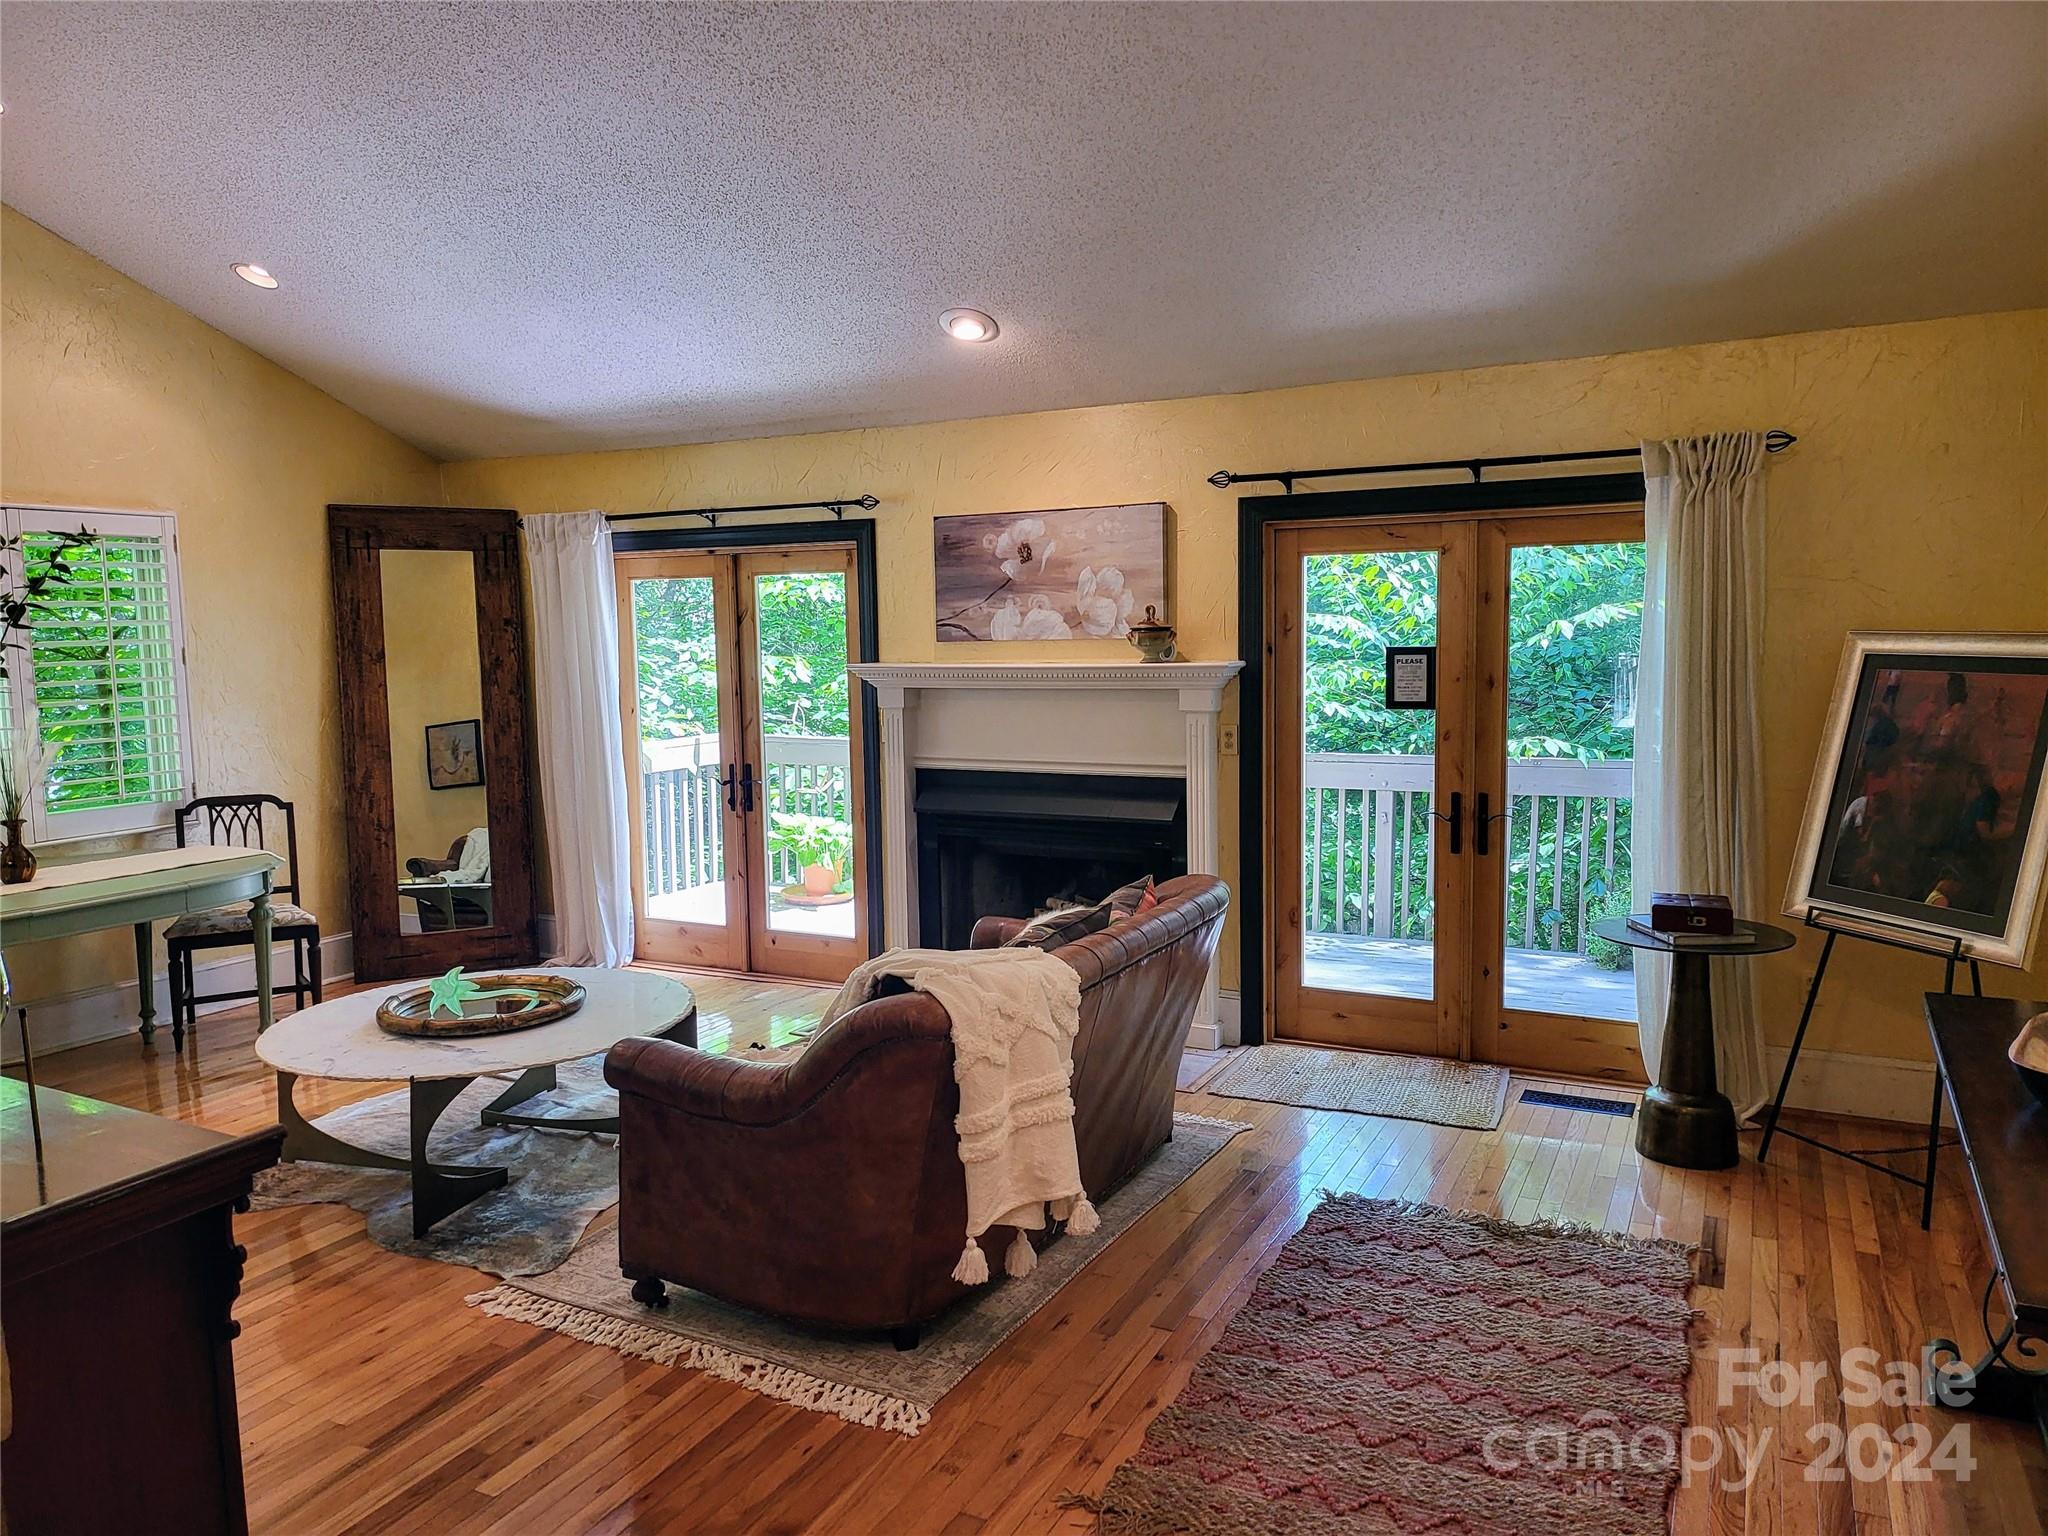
(1687, 1122)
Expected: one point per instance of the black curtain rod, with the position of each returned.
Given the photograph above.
(711, 515)
(1775, 441)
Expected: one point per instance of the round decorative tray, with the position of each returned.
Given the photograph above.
(492, 1005)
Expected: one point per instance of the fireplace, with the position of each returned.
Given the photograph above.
(1015, 844)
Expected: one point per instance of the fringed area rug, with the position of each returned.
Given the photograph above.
(860, 1377)
(560, 1180)
(1459, 1093)
(1404, 1369)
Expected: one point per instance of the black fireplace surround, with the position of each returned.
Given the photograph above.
(1016, 844)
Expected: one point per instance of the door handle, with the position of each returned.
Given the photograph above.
(729, 782)
(1481, 821)
(747, 788)
(1456, 817)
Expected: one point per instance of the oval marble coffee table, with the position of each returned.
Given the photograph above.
(340, 1040)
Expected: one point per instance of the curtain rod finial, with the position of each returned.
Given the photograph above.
(1221, 479)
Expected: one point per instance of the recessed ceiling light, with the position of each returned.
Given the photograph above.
(968, 325)
(250, 273)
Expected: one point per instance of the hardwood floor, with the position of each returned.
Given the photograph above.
(373, 1400)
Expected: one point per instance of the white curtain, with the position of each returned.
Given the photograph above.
(582, 758)
(1698, 811)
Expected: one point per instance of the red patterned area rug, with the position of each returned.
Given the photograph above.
(1402, 1368)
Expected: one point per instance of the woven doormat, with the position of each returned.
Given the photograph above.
(1403, 1368)
(1460, 1093)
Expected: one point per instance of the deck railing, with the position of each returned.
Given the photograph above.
(1369, 855)
(683, 803)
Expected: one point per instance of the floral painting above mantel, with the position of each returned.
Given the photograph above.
(1076, 573)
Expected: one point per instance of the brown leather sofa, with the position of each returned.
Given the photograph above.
(828, 1190)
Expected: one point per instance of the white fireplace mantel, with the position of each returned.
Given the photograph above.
(1073, 717)
(1199, 683)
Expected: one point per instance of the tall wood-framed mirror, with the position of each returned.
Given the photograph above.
(430, 638)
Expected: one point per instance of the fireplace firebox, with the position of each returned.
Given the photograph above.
(1016, 844)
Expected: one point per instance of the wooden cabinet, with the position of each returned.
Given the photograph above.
(118, 1277)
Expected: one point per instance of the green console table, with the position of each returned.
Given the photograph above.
(137, 889)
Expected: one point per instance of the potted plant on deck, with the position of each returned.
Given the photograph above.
(821, 847)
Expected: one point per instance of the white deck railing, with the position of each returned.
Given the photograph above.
(683, 803)
(1365, 830)
(1369, 857)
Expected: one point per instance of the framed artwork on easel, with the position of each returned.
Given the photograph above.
(1926, 811)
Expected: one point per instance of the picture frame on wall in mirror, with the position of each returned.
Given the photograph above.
(1926, 810)
(1072, 573)
(455, 754)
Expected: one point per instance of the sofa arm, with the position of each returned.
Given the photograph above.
(995, 932)
(743, 1092)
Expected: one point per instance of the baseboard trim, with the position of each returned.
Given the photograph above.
(1219, 1031)
(1867, 1087)
(92, 1014)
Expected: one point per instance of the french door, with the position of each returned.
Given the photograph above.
(743, 752)
(1450, 729)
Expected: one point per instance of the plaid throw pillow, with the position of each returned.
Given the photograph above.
(1063, 927)
(1133, 900)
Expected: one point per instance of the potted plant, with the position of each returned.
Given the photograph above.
(21, 768)
(23, 594)
(820, 845)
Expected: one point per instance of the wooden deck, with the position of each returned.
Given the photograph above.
(373, 1400)
(1538, 979)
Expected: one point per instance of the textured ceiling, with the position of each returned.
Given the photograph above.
(514, 229)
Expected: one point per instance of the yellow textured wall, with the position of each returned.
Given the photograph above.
(112, 397)
(1917, 498)
(432, 674)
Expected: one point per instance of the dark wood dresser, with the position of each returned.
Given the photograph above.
(2004, 1131)
(118, 1275)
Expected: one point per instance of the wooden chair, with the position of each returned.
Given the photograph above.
(239, 821)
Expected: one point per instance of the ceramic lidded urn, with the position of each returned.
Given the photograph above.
(1153, 639)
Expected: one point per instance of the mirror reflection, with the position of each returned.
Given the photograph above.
(435, 691)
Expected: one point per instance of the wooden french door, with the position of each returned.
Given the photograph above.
(1373, 940)
(1439, 846)
(743, 750)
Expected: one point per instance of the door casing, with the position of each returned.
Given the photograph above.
(857, 536)
(1600, 1048)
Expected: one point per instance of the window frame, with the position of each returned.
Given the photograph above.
(52, 828)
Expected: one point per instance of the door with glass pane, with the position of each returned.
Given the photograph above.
(743, 752)
(1436, 862)
(1370, 946)
(799, 784)
(1562, 620)
(680, 684)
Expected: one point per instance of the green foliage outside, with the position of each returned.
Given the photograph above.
(1574, 625)
(94, 611)
(801, 620)
(802, 623)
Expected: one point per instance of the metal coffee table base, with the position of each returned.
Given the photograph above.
(441, 1189)
(438, 1189)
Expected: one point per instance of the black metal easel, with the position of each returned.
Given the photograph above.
(1952, 955)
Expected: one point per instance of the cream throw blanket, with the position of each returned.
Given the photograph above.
(1015, 1013)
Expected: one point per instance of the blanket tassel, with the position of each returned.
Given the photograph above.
(1082, 1220)
(1021, 1259)
(973, 1266)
